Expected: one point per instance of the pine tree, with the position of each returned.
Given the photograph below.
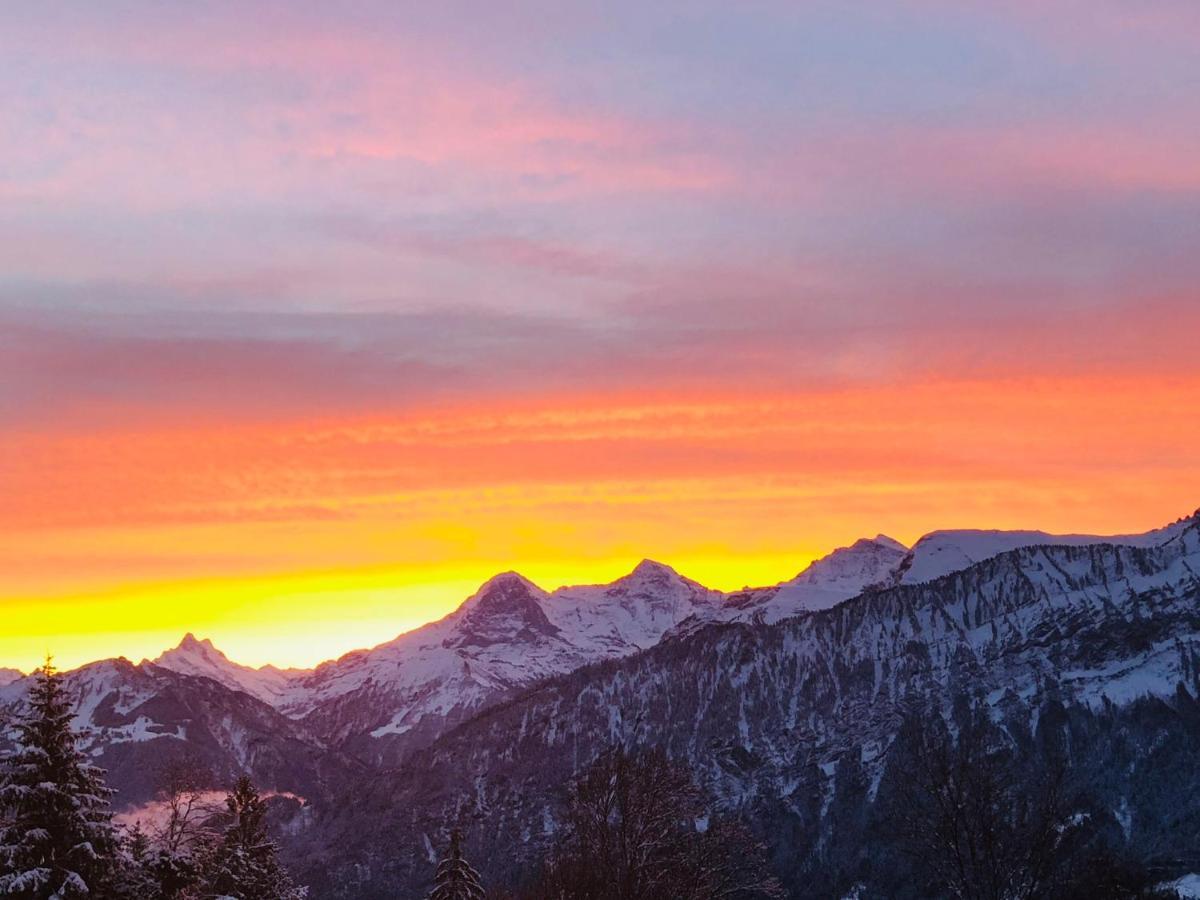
(455, 879)
(56, 834)
(245, 866)
(137, 879)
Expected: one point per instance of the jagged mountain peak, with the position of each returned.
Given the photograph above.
(191, 644)
(507, 591)
(649, 568)
(649, 575)
(507, 608)
(882, 540)
(199, 656)
(192, 655)
(504, 582)
(865, 562)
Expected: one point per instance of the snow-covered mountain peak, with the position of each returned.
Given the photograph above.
(190, 645)
(631, 613)
(200, 657)
(8, 676)
(503, 592)
(499, 586)
(195, 657)
(651, 570)
(508, 608)
(654, 578)
(884, 541)
(866, 562)
(838, 576)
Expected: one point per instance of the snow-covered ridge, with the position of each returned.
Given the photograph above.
(940, 553)
(635, 611)
(770, 714)
(506, 636)
(511, 634)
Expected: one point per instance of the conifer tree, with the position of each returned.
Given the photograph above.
(455, 879)
(138, 879)
(245, 866)
(56, 834)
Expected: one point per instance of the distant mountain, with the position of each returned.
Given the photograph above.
(135, 718)
(200, 657)
(8, 676)
(378, 706)
(1092, 647)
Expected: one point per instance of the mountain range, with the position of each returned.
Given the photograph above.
(764, 691)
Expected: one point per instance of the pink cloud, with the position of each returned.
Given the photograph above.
(279, 111)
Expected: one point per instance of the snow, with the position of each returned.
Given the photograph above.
(941, 553)
(138, 731)
(843, 574)
(1155, 672)
(1188, 887)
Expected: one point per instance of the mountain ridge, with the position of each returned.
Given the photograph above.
(933, 542)
(767, 715)
(381, 704)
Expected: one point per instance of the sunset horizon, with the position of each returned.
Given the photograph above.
(276, 594)
(827, 372)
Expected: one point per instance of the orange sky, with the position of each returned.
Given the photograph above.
(295, 541)
(314, 316)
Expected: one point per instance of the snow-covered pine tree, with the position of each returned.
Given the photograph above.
(56, 834)
(137, 879)
(245, 866)
(455, 879)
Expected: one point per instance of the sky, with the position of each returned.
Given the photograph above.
(314, 316)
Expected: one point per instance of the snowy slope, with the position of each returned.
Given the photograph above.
(633, 612)
(844, 573)
(8, 676)
(499, 639)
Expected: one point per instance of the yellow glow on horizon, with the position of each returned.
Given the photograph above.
(300, 619)
(293, 542)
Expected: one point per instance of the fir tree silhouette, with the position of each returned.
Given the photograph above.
(57, 839)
